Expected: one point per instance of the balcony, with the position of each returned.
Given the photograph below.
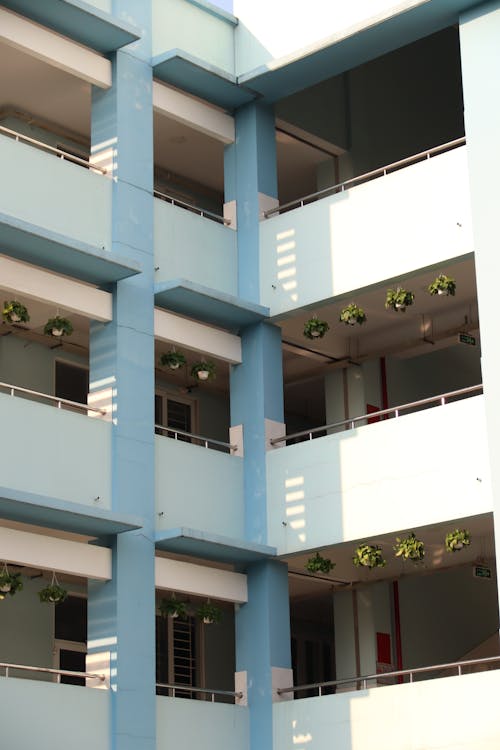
(188, 723)
(194, 245)
(424, 467)
(408, 215)
(398, 717)
(194, 472)
(58, 453)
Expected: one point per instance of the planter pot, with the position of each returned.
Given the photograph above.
(208, 621)
(5, 588)
(398, 306)
(173, 615)
(444, 292)
(352, 321)
(203, 374)
(14, 318)
(174, 366)
(57, 331)
(459, 545)
(315, 334)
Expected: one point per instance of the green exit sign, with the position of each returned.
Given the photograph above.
(481, 571)
(466, 338)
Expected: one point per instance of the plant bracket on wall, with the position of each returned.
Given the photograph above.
(457, 540)
(10, 583)
(409, 548)
(209, 613)
(319, 564)
(173, 360)
(368, 556)
(399, 299)
(58, 327)
(173, 608)
(443, 285)
(203, 370)
(15, 312)
(53, 593)
(315, 328)
(352, 314)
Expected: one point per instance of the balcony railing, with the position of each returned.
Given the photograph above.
(190, 207)
(13, 390)
(175, 690)
(395, 411)
(52, 149)
(390, 678)
(56, 673)
(190, 437)
(366, 177)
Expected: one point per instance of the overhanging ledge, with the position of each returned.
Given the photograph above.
(208, 305)
(41, 247)
(40, 510)
(195, 543)
(79, 21)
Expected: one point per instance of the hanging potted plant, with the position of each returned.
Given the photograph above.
(10, 583)
(58, 326)
(399, 299)
(15, 312)
(319, 564)
(173, 360)
(203, 370)
(457, 540)
(352, 314)
(368, 556)
(315, 328)
(173, 608)
(443, 285)
(209, 613)
(53, 593)
(409, 548)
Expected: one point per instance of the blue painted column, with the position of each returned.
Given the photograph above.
(250, 184)
(480, 53)
(122, 611)
(256, 385)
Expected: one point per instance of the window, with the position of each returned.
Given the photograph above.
(177, 654)
(179, 414)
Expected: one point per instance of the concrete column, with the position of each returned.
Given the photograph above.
(122, 611)
(263, 647)
(251, 187)
(480, 53)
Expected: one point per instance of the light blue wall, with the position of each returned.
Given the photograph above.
(191, 247)
(55, 194)
(180, 24)
(191, 724)
(189, 490)
(47, 716)
(53, 452)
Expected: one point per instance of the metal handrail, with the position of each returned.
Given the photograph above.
(379, 172)
(184, 204)
(441, 399)
(363, 680)
(206, 441)
(207, 691)
(58, 672)
(59, 401)
(59, 151)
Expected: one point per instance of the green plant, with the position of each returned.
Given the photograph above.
(319, 564)
(352, 314)
(172, 359)
(409, 548)
(58, 326)
(399, 299)
(315, 328)
(443, 285)
(209, 613)
(368, 556)
(173, 608)
(53, 593)
(456, 540)
(10, 583)
(15, 312)
(203, 370)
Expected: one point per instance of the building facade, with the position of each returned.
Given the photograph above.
(248, 386)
